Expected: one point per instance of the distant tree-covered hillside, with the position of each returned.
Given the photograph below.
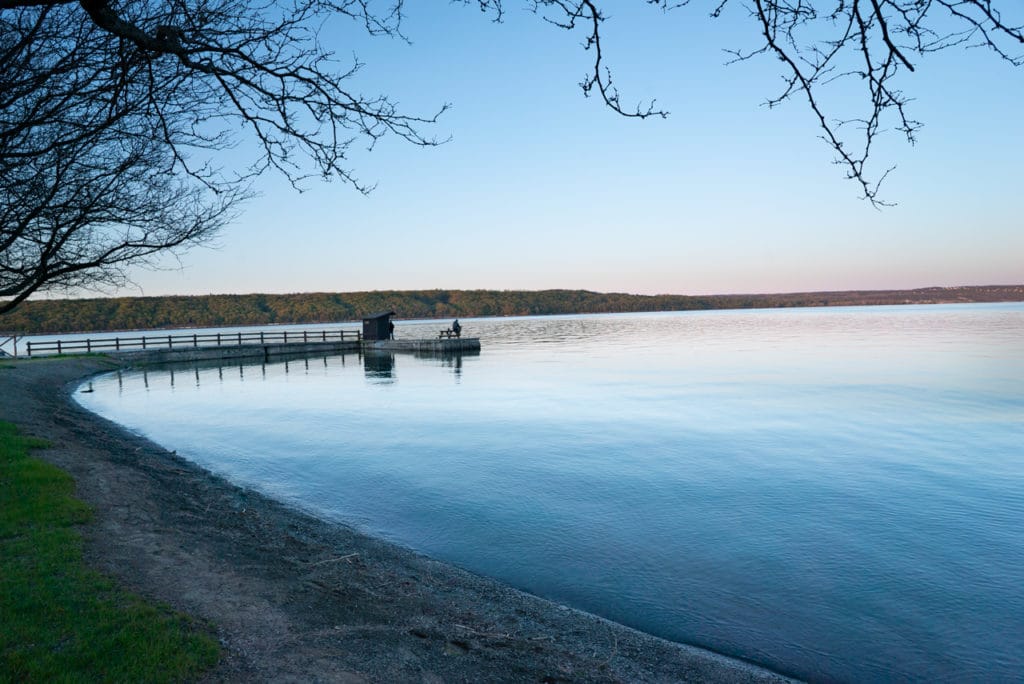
(132, 313)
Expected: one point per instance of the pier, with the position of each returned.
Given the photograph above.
(447, 345)
(241, 345)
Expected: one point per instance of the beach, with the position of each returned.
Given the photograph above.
(295, 598)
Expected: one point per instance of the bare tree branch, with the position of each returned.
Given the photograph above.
(155, 90)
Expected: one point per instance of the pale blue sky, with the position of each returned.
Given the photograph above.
(542, 188)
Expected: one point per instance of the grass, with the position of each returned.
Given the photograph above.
(59, 620)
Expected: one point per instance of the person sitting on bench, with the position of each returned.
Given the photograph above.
(456, 328)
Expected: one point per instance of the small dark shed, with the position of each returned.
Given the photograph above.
(377, 326)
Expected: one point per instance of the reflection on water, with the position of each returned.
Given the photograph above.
(378, 367)
(836, 494)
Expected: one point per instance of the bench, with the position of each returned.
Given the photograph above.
(449, 333)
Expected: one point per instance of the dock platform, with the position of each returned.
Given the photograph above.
(147, 349)
(444, 345)
(243, 351)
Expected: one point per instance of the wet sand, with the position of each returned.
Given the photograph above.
(295, 598)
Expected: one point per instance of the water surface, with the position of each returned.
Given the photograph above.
(837, 493)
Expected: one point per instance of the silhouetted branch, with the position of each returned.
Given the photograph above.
(154, 90)
(867, 43)
(825, 43)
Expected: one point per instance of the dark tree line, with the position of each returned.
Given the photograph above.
(133, 313)
(114, 114)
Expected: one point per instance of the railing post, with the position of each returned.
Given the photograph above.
(58, 346)
(170, 344)
(218, 339)
(286, 337)
(261, 337)
(143, 341)
(88, 345)
(195, 340)
(29, 346)
(239, 339)
(304, 339)
(117, 344)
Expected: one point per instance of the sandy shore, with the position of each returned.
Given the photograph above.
(293, 598)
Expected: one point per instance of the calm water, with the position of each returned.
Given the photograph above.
(833, 493)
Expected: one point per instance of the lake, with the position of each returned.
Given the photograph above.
(837, 494)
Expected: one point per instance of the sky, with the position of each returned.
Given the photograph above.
(540, 187)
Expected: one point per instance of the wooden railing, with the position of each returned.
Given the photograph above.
(87, 345)
(4, 339)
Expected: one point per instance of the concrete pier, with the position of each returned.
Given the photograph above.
(267, 351)
(242, 351)
(444, 345)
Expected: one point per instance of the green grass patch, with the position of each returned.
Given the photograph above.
(59, 620)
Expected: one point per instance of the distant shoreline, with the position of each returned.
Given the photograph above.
(40, 317)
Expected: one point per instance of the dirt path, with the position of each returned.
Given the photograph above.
(295, 599)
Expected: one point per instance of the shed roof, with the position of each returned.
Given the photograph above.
(379, 314)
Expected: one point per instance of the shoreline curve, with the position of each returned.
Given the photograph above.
(296, 598)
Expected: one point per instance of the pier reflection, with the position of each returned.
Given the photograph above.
(379, 368)
(450, 360)
(219, 370)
